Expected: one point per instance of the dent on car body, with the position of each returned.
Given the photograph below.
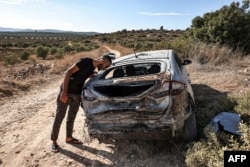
(139, 101)
(151, 103)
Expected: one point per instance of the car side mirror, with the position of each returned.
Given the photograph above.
(186, 62)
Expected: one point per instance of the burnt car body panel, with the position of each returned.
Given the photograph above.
(146, 95)
(226, 122)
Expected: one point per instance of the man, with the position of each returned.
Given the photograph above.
(70, 96)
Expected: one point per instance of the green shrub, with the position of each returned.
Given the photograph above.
(42, 52)
(87, 41)
(67, 49)
(227, 26)
(80, 48)
(243, 103)
(11, 59)
(60, 54)
(96, 46)
(210, 152)
(206, 153)
(53, 50)
(25, 45)
(9, 45)
(4, 45)
(25, 55)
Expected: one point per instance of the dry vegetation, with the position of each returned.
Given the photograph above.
(21, 77)
(220, 79)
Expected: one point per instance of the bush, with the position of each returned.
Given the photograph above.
(244, 106)
(25, 45)
(42, 52)
(96, 46)
(53, 50)
(9, 45)
(80, 49)
(67, 49)
(226, 26)
(25, 55)
(59, 54)
(87, 41)
(11, 59)
(244, 103)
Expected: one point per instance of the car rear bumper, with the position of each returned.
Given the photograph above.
(142, 133)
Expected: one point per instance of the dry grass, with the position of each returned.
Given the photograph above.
(213, 54)
(219, 67)
(223, 78)
(123, 51)
(60, 65)
(24, 76)
(220, 80)
(215, 87)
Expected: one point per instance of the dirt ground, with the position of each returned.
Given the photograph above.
(26, 121)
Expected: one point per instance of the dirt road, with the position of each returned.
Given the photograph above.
(25, 126)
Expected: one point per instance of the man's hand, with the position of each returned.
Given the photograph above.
(63, 97)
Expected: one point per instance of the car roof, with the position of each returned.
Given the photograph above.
(148, 56)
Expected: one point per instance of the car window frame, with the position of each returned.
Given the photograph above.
(105, 73)
(178, 61)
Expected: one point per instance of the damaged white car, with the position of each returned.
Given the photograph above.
(145, 95)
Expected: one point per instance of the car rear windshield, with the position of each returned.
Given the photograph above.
(132, 70)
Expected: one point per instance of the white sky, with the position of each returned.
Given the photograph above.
(104, 15)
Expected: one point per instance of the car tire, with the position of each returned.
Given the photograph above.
(189, 131)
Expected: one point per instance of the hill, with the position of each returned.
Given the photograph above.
(2, 29)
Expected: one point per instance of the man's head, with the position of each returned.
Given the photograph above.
(105, 62)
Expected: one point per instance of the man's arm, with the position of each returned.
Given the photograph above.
(68, 73)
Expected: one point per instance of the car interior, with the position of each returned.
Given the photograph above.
(134, 70)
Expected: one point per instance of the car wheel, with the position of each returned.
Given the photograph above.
(189, 131)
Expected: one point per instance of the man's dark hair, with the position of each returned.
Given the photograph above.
(107, 57)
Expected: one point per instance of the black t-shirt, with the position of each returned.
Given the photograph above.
(78, 79)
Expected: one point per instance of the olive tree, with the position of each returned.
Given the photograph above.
(42, 52)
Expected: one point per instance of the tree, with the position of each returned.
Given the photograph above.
(25, 55)
(53, 50)
(229, 25)
(198, 22)
(67, 49)
(42, 52)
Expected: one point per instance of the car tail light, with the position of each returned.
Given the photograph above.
(87, 95)
(169, 88)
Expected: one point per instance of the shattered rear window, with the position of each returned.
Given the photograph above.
(132, 70)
